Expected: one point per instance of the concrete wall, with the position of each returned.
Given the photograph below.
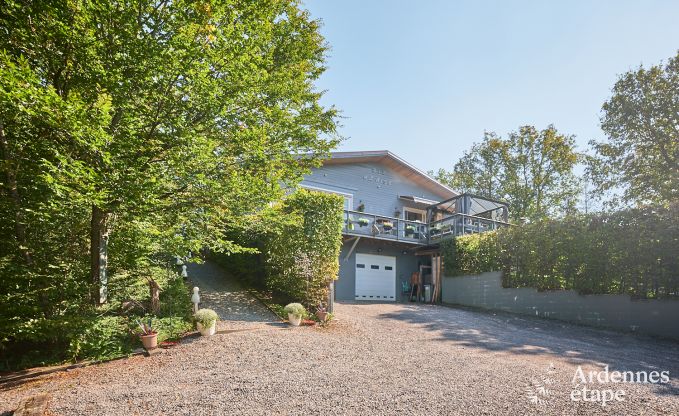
(655, 317)
(345, 286)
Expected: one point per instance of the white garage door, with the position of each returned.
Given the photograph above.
(375, 277)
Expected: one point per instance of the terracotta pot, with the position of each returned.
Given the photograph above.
(149, 341)
(207, 331)
(295, 320)
(321, 316)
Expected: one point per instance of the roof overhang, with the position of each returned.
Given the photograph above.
(417, 200)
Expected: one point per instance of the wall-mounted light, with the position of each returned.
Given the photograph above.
(379, 250)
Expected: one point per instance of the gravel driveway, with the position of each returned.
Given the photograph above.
(376, 359)
(223, 294)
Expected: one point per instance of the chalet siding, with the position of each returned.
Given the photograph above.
(373, 184)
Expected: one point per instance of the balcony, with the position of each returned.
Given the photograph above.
(363, 224)
(461, 215)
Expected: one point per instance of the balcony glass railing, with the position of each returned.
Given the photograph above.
(391, 228)
(462, 224)
(380, 226)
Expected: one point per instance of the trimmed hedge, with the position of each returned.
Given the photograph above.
(298, 243)
(633, 252)
(303, 244)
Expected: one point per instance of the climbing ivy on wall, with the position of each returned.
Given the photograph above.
(627, 252)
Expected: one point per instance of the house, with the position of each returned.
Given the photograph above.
(395, 215)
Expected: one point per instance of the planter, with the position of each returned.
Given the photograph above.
(387, 226)
(149, 341)
(363, 222)
(295, 320)
(210, 330)
(321, 316)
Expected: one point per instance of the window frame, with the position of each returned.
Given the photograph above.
(415, 211)
(347, 196)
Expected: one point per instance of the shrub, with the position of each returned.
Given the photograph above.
(102, 338)
(302, 245)
(295, 309)
(628, 252)
(206, 317)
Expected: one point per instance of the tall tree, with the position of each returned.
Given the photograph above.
(639, 163)
(198, 110)
(531, 169)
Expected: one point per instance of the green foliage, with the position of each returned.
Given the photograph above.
(296, 309)
(532, 170)
(206, 317)
(168, 121)
(103, 338)
(640, 159)
(298, 241)
(629, 252)
(303, 237)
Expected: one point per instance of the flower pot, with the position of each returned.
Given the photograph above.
(207, 331)
(149, 341)
(295, 320)
(321, 316)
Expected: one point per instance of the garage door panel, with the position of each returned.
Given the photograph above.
(375, 277)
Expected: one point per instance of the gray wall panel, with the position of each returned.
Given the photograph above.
(376, 185)
(345, 286)
(655, 317)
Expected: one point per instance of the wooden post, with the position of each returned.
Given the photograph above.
(331, 297)
(155, 296)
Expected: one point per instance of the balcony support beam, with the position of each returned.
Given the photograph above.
(351, 249)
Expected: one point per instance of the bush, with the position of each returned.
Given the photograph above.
(102, 338)
(295, 309)
(206, 317)
(628, 252)
(301, 245)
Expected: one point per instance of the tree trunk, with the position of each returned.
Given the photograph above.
(98, 255)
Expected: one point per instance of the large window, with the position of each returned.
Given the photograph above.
(412, 214)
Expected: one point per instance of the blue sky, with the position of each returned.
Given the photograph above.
(424, 79)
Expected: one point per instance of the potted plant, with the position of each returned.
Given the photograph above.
(410, 230)
(148, 335)
(321, 313)
(295, 313)
(387, 225)
(361, 207)
(206, 321)
(363, 222)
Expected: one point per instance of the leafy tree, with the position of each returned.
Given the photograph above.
(532, 170)
(639, 163)
(133, 130)
(197, 109)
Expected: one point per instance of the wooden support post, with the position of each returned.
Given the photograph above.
(154, 290)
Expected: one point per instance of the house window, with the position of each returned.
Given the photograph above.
(374, 267)
(412, 214)
(360, 266)
(348, 198)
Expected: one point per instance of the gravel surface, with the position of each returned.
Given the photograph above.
(235, 307)
(375, 359)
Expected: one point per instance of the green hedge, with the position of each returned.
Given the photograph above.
(303, 244)
(298, 243)
(631, 252)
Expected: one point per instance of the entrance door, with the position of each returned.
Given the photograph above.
(375, 277)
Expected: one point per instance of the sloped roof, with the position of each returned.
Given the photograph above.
(395, 163)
